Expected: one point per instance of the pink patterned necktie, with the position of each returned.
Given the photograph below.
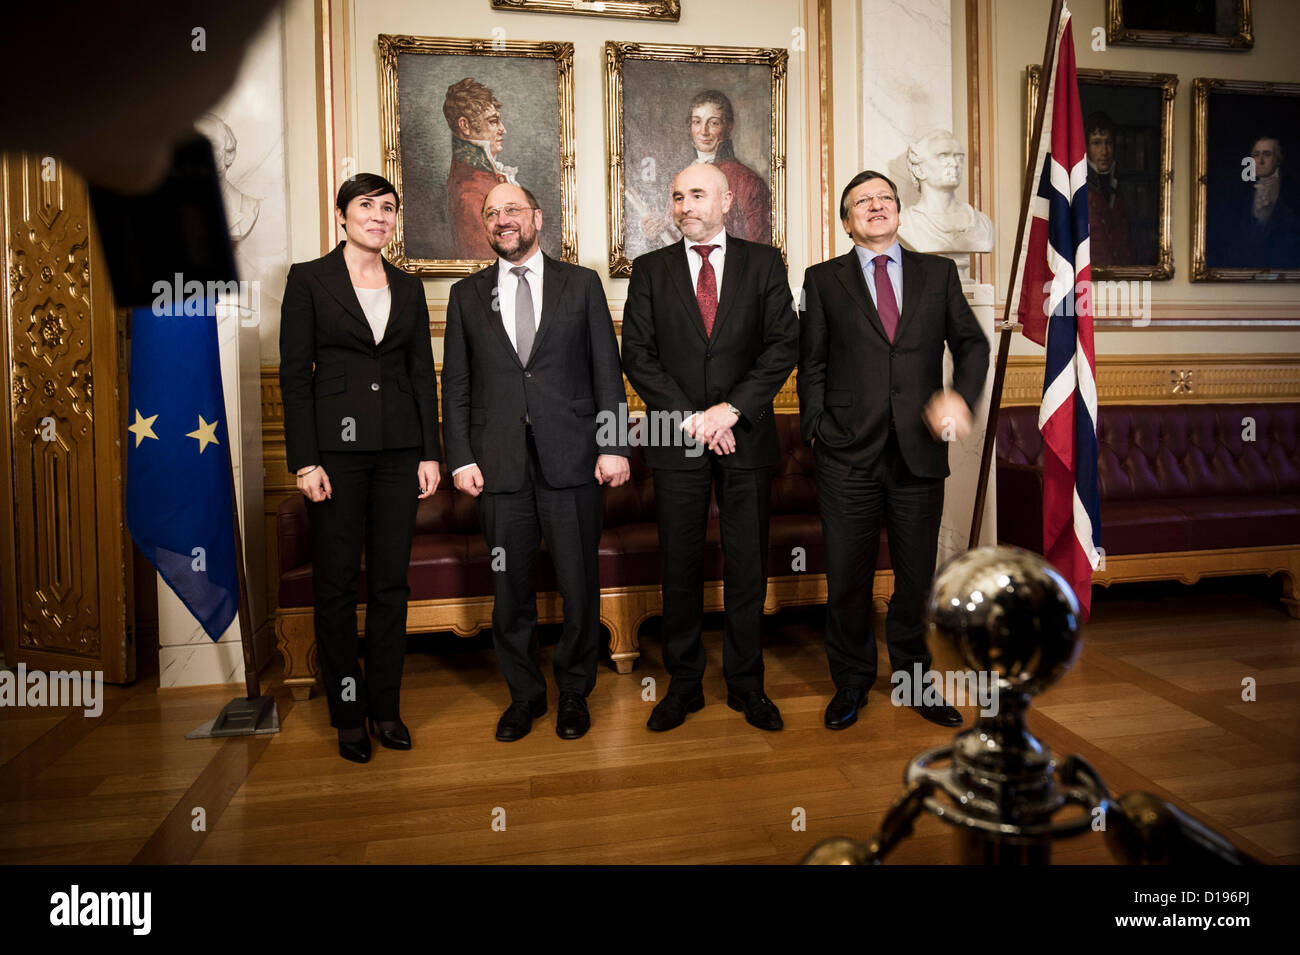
(706, 288)
(886, 304)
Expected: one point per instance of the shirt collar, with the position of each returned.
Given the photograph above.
(720, 240)
(533, 264)
(865, 255)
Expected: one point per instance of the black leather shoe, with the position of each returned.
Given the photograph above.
(944, 715)
(758, 709)
(517, 720)
(572, 716)
(670, 712)
(357, 750)
(842, 711)
(399, 737)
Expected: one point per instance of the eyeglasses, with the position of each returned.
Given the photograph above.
(885, 199)
(513, 212)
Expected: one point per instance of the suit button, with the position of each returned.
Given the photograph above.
(528, 374)
(374, 386)
(708, 358)
(892, 353)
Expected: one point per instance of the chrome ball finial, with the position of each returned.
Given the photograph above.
(1009, 612)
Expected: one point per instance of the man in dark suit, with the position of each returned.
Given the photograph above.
(873, 404)
(529, 359)
(717, 351)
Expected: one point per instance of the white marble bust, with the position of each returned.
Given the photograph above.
(939, 221)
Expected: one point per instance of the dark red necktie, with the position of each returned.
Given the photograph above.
(886, 304)
(706, 288)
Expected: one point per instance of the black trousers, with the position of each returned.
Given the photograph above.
(375, 496)
(855, 503)
(682, 507)
(569, 519)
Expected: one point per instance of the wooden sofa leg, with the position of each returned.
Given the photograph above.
(623, 613)
(296, 641)
(1290, 592)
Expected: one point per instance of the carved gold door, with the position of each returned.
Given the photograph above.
(65, 560)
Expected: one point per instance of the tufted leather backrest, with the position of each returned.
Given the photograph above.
(1191, 450)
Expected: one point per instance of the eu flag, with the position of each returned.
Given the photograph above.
(179, 505)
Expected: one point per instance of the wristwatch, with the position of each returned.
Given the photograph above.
(733, 409)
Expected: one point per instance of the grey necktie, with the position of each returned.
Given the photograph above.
(525, 325)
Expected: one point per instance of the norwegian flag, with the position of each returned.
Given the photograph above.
(1053, 302)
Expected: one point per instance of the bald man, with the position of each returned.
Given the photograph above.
(529, 359)
(709, 332)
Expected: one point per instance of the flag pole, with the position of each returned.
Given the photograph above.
(1007, 328)
(254, 713)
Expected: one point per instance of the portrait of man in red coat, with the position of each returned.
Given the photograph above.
(473, 115)
(750, 217)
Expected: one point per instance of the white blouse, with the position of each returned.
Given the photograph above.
(375, 302)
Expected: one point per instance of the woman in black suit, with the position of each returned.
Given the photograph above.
(361, 432)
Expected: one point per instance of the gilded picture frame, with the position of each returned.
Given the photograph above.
(649, 91)
(625, 9)
(520, 96)
(1236, 238)
(1143, 135)
(1232, 29)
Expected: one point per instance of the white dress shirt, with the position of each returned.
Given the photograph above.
(507, 290)
(717, 258)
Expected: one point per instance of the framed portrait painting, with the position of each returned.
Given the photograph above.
(1246, 224)
(457, 118)
(668, 106)
(1189, 24)
(627, 9)
(1128, 120)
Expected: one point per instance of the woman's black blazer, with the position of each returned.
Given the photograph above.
(341, 391)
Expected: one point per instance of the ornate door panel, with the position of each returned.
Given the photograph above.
(65, 562)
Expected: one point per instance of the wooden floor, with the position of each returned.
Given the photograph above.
(1154, 703)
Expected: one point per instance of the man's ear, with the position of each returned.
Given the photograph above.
(726, 202)
(463, 126)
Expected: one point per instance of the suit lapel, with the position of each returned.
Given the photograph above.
(554, 275)
(400, 292)
(732, 268)
(338, 283)
(680, 273)
(913, 283)
(485, 283)
(855, 283)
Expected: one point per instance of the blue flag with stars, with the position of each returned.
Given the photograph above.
(179, 505)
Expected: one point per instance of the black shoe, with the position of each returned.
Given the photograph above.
(399, 737)
(670, 712)
(357, 750)
(842, 711)
(517, 720)
(758, 709)
(942, 714)
(572, 717)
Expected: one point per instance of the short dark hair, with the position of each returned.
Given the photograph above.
(716, 98)
(365, 184)
(1098, 122)
(865, 176)
(532, 199)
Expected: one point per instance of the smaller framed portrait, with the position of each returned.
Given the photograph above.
(457, 117)
(627, 9)
(669, 106)
(1189, 24)
(1246, 224)
(1128, 121)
